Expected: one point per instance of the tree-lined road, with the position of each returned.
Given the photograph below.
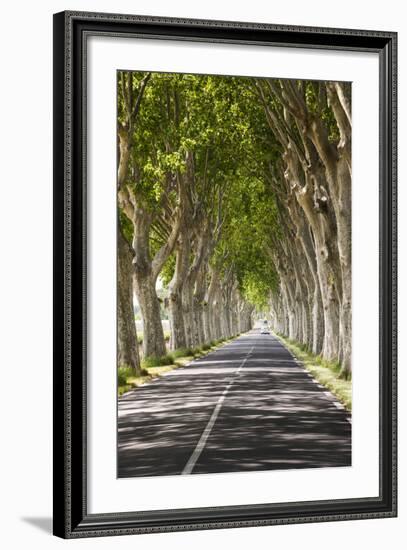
(246, 406)
(235, 193)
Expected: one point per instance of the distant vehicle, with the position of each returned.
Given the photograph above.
(265, 327)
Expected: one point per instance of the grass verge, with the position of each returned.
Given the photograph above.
(153, 367)
(325, 372)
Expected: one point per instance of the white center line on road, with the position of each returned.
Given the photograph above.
(206, 433)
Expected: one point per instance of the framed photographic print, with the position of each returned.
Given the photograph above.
(224, 274)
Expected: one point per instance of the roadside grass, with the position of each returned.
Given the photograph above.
(151, 362)
(183, 352)
(126, 378)
(153, 367)
(325, 372)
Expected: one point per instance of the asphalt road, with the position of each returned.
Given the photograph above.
(244, 407)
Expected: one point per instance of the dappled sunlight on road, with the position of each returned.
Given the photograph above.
(273, 416)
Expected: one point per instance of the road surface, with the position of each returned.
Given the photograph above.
(247, 406)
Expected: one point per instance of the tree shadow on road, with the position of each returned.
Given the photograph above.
(285, 421)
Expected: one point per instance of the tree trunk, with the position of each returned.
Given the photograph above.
(188, 311)
(345, 253)
(210, 299)
(317, 319)
(337, 163)
(216, 316)
(200, 247)
(178, 338)
(199, 298)
(153, 335)
(176, 315)
(328, 268)
(128, 354)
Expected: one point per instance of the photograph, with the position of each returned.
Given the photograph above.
(234, 273)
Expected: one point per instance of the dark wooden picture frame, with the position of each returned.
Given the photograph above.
(71, 518)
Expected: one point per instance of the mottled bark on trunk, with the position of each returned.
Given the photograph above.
(192, 318)
(211, 308)
(199, 302)
(337, 163)
(345, 254)
(188, 311)
(177, 324)
(227, 286)
(128, 354)
(198, 323)
(317, 322)
(177, 339)
(317, 319)
(206, 323)
(153, 334)
(328, 269)
(216, 317)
